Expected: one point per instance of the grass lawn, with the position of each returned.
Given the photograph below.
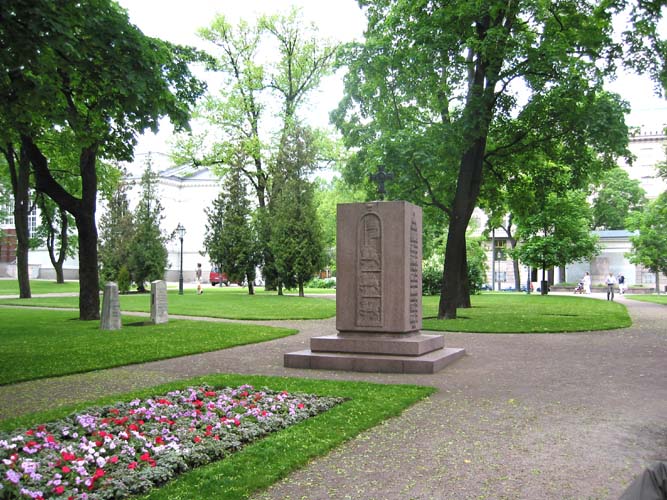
(521, 313)
(231, 303)
(38, 343)
(264, 462)
(11, 286)
(656, 299)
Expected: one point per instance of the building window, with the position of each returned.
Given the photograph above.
(8, 220)
(501, 250)
(501, 276)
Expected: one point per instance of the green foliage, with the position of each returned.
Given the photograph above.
(296, 240)
(432, 268)
(81, 69)
(231, 239)
(124, 280)
(431, 95)
(327, 283)
(147, 253)
(556, 232)
(649, 247)
(327, 196)
(616, 198)
(116, 235)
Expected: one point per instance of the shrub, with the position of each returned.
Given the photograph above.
(124, 281)
(322, 283)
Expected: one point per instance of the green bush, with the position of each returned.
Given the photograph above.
(431, 280)
(124, 281)
(321, 283)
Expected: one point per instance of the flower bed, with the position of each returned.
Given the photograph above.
(125, 449)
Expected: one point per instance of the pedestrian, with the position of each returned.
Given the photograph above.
(621, 283)
(610, 281)
(198, 275)
(586, 280)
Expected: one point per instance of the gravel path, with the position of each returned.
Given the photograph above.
(560, 416)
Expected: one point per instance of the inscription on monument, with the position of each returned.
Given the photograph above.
(414, 273)
(369, 271)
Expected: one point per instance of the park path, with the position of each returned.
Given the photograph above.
(559, 416)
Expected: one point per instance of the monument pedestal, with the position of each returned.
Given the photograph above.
(378, 296)
(430, 362)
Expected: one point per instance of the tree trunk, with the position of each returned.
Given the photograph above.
(467, 190)
(20, 178)
(301, 294)
(280, 288)
(251, 285)
(464, 283)
(83, 211)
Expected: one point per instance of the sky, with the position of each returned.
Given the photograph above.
(340, 20)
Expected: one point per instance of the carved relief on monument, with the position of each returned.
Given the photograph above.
(414, 273)
(369, 271)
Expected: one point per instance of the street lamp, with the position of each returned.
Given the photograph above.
(181, 231)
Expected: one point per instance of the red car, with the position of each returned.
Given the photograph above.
(216, 277)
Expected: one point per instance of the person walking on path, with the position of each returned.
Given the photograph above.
(587, 283)
(198, 275)
(621, 284)
(610, 281)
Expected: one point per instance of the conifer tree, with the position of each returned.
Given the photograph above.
(148, 254)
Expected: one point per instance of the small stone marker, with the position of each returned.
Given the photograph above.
(110, 308)
(159, 302)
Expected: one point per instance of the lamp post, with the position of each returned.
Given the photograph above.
(181, 231)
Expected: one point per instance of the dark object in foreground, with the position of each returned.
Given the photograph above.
(649, 485)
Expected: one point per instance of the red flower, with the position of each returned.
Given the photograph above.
(98, 474)
(197, 439)
(59, 490)
(145, 457)
(210, 394)
(50, 439)
(132, 465)
(113, 459)
(237, 422)
(29, 432)
(164, 402)
(300, 406)
(159, 440)
(66, 470)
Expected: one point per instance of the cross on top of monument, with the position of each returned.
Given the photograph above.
(380, 177)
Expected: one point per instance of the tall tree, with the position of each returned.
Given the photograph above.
(437, 86)
(116, 235)
(259, 101)
(649, 247)
(616, 197)
(148, 256)
(557, 233)
(19, 174)
(296, 240)
(240, 253)
(82, 67)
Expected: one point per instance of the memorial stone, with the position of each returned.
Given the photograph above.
(110, 308)
(159, 312)
(378, 296)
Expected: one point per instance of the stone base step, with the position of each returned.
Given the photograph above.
(431, 362)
